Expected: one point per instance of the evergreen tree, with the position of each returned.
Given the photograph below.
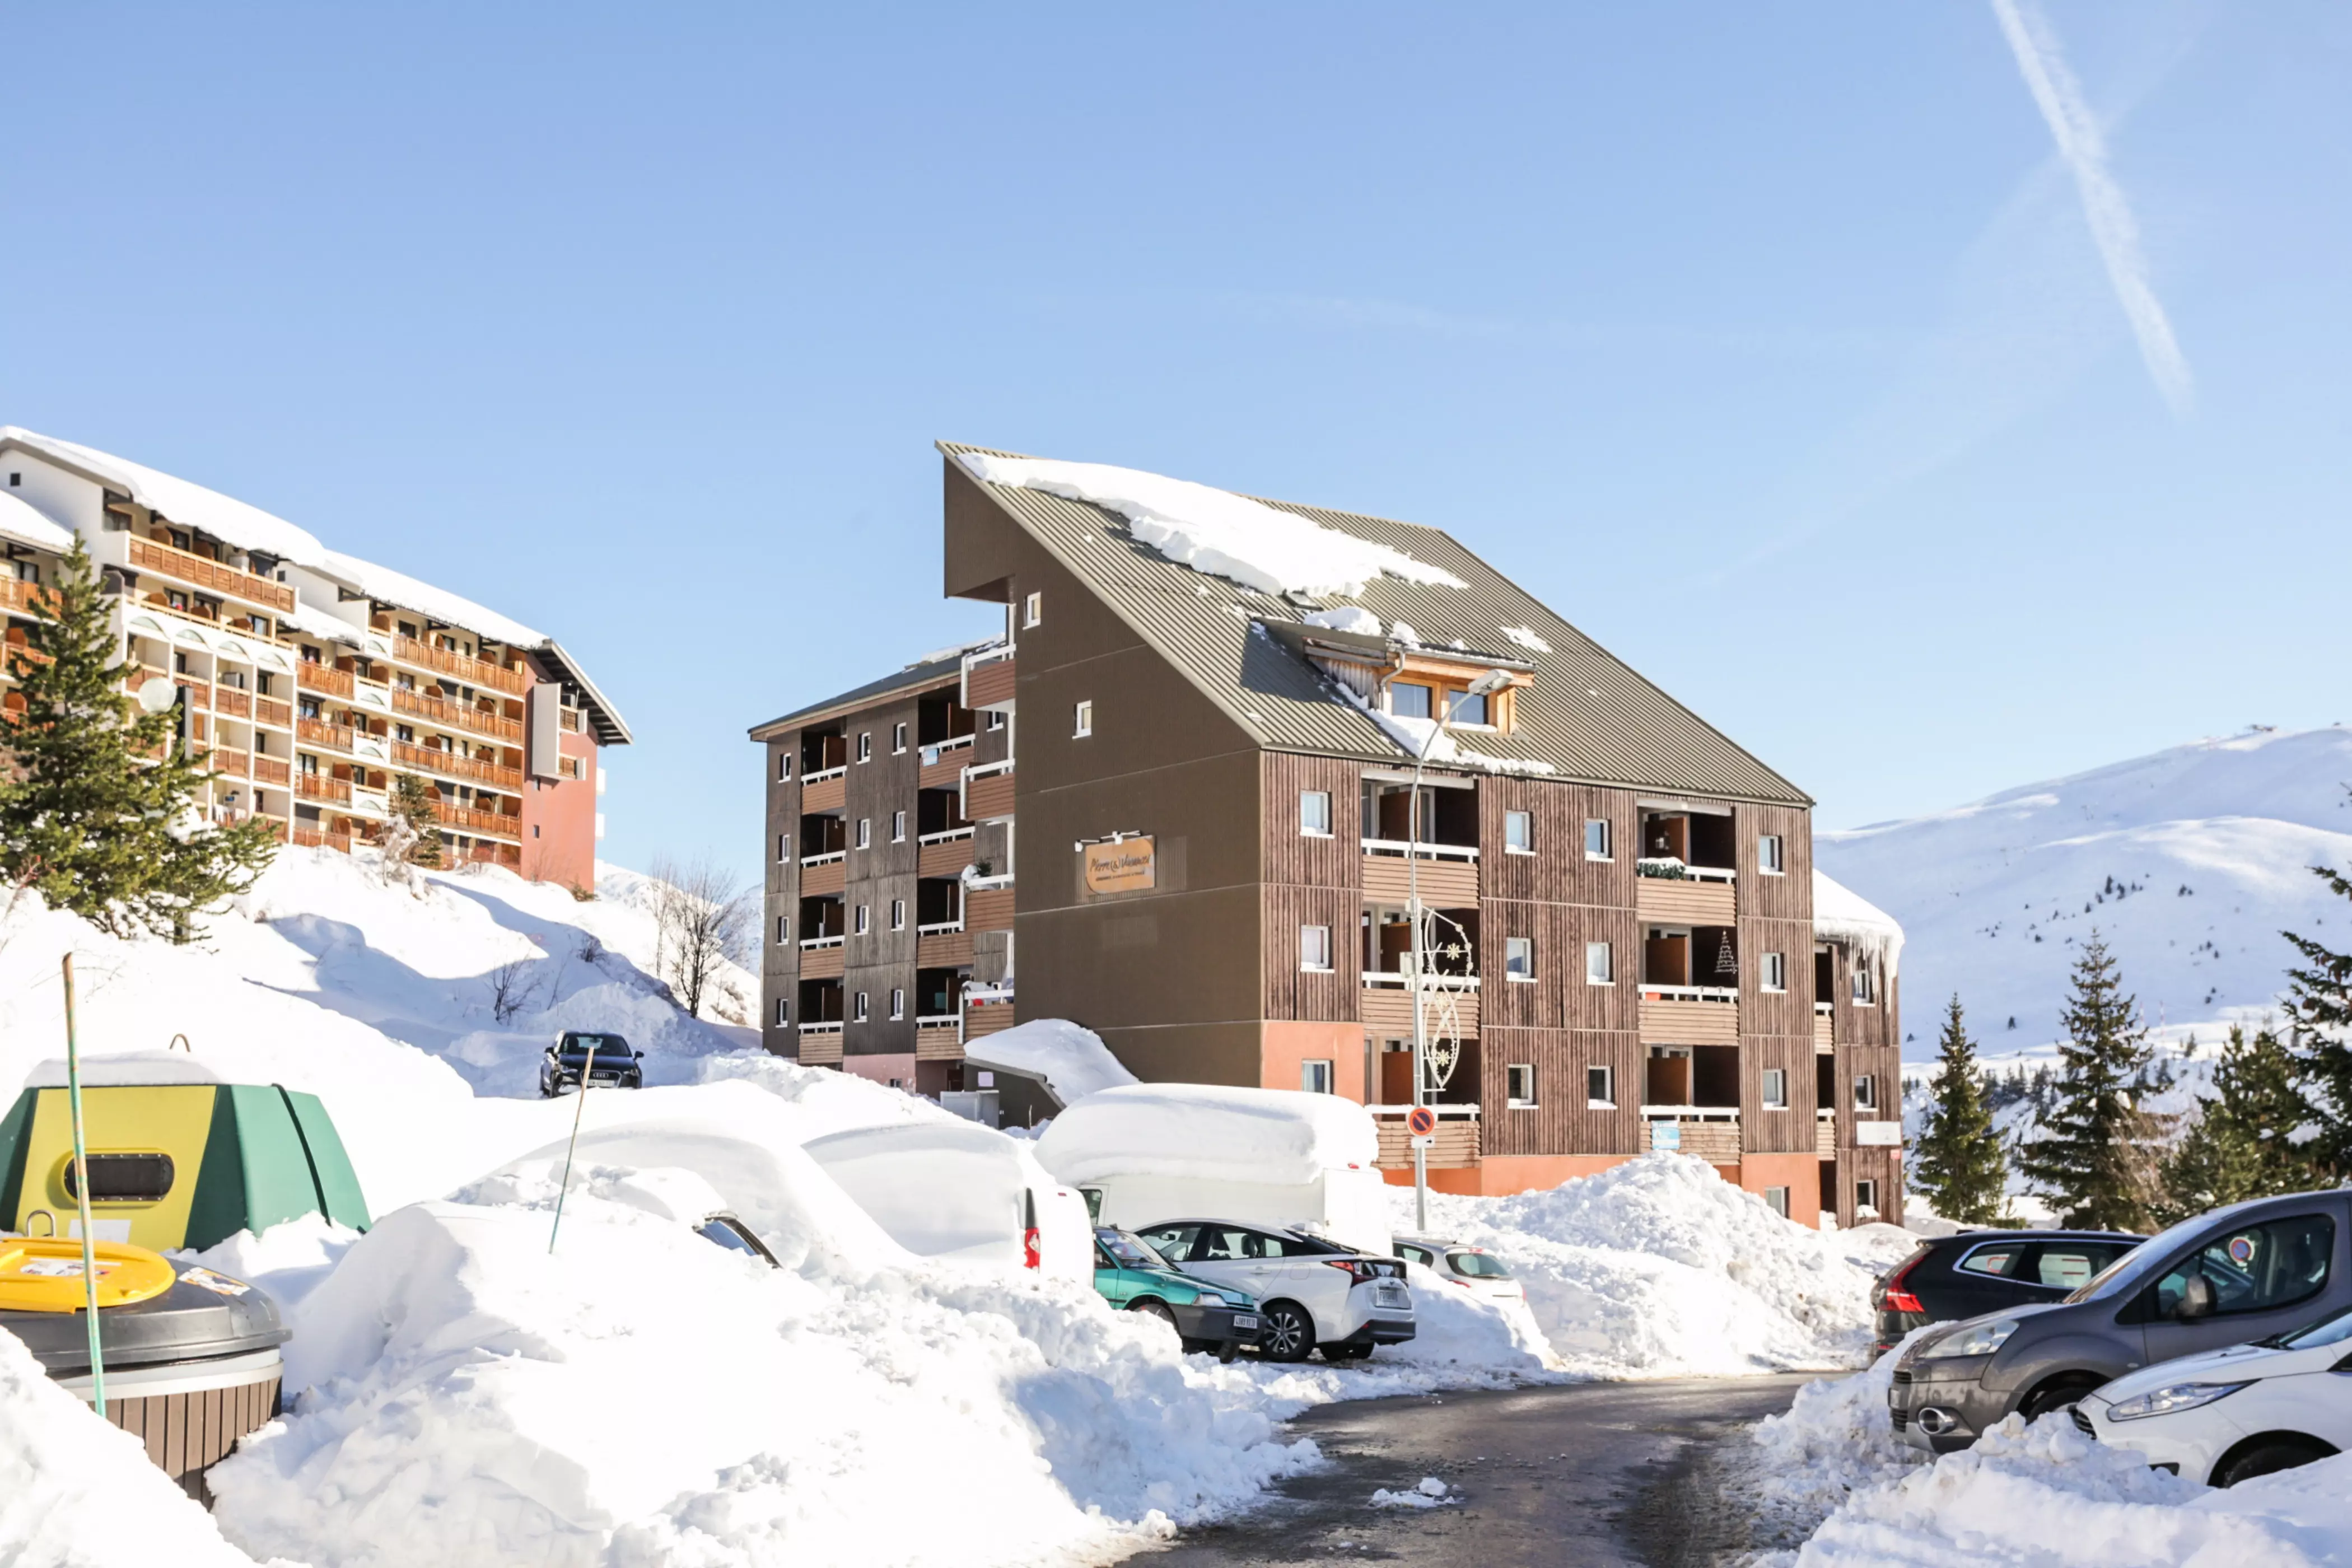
(96, 812)
(2321, 1005)
(414, 839)
(1957, 1163)
(2096, 1158)
(2238, 1148)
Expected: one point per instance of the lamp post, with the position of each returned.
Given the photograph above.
(1494, 680)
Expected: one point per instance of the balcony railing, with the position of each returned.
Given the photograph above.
(315, 838)
(811, 943)
(270, 710)
(944, 834)
(146, 555)
(1433, 982)
(434, 760)
(831, 858)
(824, 774)
(323, 787)
(1667, 869)
(468, 819)
(30, 598)
(939, 928)
(322, 734)
(932, 753)
(324, 678)
(829, 1026)
(232, 764)
(1651, 993)
(1425, 850)
(455, 716)
(271, 771)
(465, 666)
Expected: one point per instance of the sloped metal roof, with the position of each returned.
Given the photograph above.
(1587, 714)
(914, 677)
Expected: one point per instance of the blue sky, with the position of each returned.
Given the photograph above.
(1771, 345)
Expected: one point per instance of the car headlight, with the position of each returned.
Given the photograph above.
(1979, 1339)
(2172, 1397)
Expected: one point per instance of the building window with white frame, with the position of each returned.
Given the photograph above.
(1033, 610)
(898, 914)
(1600, 1088)
(1082, 720)
(1315, 949)
(1776, 1088)
(1518, 833)
(1865, 1092)
(1773, 972)
(898, 828)
(866, 745)
(858, 1010)
(1597, 840)
(995, 719)
(1865, 1198)
(865, 833)
(783, 848)
(783, 929)
(1518, 958)
(783, 1012)
(1600, 965)
(898, 1003)
(1519, 1085)
(898, 737)
(865, 920)
(1865, 994)
(783, 765)
(1315, 1075)
(1770, 856)
(1314, 813)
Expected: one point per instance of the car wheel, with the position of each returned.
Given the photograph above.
(1289, 1334)
(2267, 1456)
(1156, 1310)
(2055, 1395)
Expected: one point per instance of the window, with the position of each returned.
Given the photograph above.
(784, 928)
(1775, 975)
(898, 738)
(1315, 948)
(1865, 1093)
(1315, 1076)
(783, 766)
(1767, 856)
(995, 719)
(1082, 720)
(1467, 709)
(865, 920)
(2257, 1267)
(1998, 1262)
(1865, 1199)
(898, 1003)
(1864, 993)
(1776, 1088)
(1518, 833)
(1519, 1084)
(1518, 958)
(864, 833)
(898, 914)
(1408, 700)
(1314, 813)
(1776, 1200)
(1600, 965)
(1596, 839)
(783, 1012)
(866, 745)
(1600, 1088)
(857, 1009)
(898, 828)
(783, 848)
(1033, 610)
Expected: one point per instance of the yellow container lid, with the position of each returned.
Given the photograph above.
(43, 1274)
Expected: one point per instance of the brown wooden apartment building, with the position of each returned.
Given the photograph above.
(1200, 855)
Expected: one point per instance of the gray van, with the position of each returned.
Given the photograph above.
(2239, 1274)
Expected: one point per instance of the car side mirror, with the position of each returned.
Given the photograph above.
(2196, 1300)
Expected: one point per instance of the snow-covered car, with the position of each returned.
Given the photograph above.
(607, 1059)
(2228, 1415)
(1311, 1294)
(726, 1229)
(1129, 1275)
(1473, 1269)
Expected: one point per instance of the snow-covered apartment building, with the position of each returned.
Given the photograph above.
(1172, 803)
(310, 679)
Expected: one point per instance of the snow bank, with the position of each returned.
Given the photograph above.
(1208, 1132)
(1070, 1061)
(1215, 531)
(1840, 914)
(957, 1191)
(79, 1492)
(1659, 1268)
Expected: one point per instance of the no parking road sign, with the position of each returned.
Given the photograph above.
(1420, 1122)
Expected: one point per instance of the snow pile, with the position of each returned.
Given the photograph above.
(1834, 1442)
(1352, 619)
(1456, 1327)
(1217, 531)
(1070, 1061)
(1840, 914)
(1526, 639)
(1659, 1268)
(25, 524)
(79, 1492)
(2045, 1494)
(1208, 1132)
(1430, 1492)
(957, 1191)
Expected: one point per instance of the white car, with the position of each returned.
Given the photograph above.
(1473, 1269)
(2227, 1415)
(1311, 1293)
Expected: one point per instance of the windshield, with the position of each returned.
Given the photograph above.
(1130, 1250)
(605, 1046)
(2126, 1273)
(2331, 1330)
(1477, 1266)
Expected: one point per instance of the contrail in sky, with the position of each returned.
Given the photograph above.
(2060, 98)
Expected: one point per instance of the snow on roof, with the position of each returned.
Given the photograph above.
(1208, 1132)
(1526, 639)
(1345, 618)
(392, 587)
(1070, 1061)
(1412, 734)
(1215, 531)
(225, 517)
(125, 1068)
(1840, 914)
(309, 619)
(22, 521)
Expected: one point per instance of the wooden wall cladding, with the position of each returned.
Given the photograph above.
(1561, 1121)
(1782, 1132)
(1558, 871)
(1789, 895)
(1310, 879)
(1784, 1012)
(1686, 902)
(1322, 996)
(1291, 856)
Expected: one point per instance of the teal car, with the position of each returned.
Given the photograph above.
(1134, 1278)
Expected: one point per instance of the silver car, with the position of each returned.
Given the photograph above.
(1312, 1293)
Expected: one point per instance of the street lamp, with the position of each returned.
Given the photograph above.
(1486, 685)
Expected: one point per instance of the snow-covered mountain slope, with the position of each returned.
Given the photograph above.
(2190, 862)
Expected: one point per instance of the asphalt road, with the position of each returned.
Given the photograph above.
(1592, 1475)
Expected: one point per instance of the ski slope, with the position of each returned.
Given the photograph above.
(2188, 862)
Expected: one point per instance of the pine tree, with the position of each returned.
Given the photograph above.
(2238, 1148)
(2320, 1003)
(416, 841)
(1957, 1163)
(2096, 1158)
(96, 811)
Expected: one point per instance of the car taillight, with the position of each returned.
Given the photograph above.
(1360, 1270)
(1029, 1255)
(1891, 1297)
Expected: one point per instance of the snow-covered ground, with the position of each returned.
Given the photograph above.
(466, 1385)
(2188, 862)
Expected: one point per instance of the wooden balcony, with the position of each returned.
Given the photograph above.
(944, 854)
(459, 666)
(943, 949)
(212, 576)
(1448, 874)
(226, 700)
(323, 677)
(981, 1019)
(1385, 1007)
(820, 1044)
(1825, 1134)
(230, 764)
(1705, 1134)
(825, 791)
(323, 787)
(988, 683)
(26, 598)
(1689, 1016)
(1457, 1146)
(988, 908)
(465, 819)
(318, 839)
(943, 764)
(939, 1039)
(271, 771)
(323, 735)
(1823, 1016)
(450, 765)
(988, 796)
(821, 958)
(1685, 902)
(455, 716)
(270, 710)
(823, 875)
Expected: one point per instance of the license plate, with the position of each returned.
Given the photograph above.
(1245, 1319)
(1390, 1296)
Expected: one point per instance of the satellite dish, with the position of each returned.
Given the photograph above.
(158, 696)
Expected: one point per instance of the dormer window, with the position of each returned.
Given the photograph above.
(1409, 700)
